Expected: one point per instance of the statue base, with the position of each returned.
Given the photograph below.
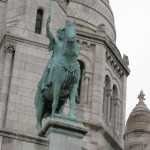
(63, 134)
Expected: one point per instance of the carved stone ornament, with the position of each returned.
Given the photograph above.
(141, 96)
(85, 45)
(126, 60)
(10, 48)
(111, 60)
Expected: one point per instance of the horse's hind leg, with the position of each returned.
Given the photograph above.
(72, 101)
(56, 92)
(40, 113)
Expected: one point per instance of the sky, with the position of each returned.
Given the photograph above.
(132, 21)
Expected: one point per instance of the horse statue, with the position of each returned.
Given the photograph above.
(60, 79)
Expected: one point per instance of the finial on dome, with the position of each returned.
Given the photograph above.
(141, 96)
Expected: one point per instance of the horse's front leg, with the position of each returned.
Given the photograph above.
(40, 113)
(72, 103)
(56, 92)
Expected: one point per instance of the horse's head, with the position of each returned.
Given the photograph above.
(70, 31)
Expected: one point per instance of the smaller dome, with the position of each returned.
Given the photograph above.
(139, 118)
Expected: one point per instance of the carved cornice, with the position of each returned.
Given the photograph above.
(13, 39)
(113, 63)
(24, 137)
(86, 45)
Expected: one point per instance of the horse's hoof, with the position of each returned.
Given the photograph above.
(38, 127)
(52, 115)
(72, 116)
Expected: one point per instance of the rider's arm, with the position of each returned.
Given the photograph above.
(49, 34)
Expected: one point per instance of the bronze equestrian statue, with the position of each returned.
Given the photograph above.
(60, 79)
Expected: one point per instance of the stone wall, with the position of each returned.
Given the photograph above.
(22, 142)
(2, 17)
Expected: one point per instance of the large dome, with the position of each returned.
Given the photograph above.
(92, 14)
(139, 118)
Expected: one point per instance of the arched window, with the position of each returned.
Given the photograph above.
(82, 68)
(106, 98)
(39, 20)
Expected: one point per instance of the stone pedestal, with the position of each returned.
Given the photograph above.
(63, 134)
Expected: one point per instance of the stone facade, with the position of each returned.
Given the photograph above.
(24, 54)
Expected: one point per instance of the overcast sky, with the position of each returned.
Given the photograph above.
(132, 19)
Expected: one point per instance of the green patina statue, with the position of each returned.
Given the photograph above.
(60, 79)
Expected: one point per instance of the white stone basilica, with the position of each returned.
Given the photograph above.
(24, 54)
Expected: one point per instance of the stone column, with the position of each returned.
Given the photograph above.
(85, 88)
(108, 95)
(7, 75)
(63, 134)
(116, 114)
(107, 105)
